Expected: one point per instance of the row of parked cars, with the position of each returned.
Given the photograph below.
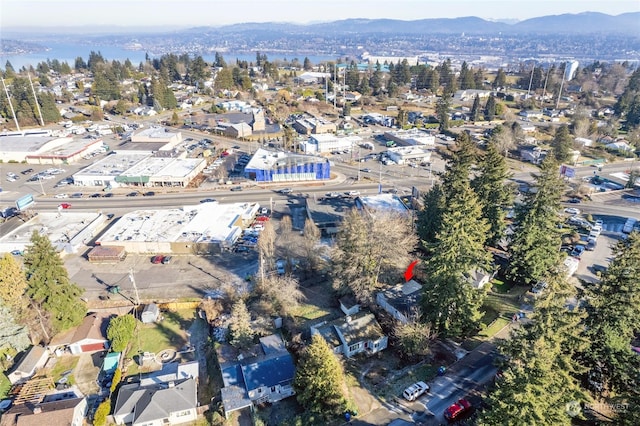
(454, 412)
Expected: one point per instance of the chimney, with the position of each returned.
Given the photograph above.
(172, 384)
(37, 409)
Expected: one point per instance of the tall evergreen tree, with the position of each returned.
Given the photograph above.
(449, 300)
(490, 108)
(562, 144)
(535, 249)
(319, 380)
(240, 330)
(475, 109)
(613, 310)
(492, 192)
(430, 217)
(49, 286)
(538, 385)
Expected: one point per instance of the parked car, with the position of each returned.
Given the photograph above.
(149, 194)
(96, 195)
(332, 194)
(166, 259)
(264, 210)
(539, 287)
(286, 191)
(572, 210)
(132, 194)
(157, 259)
(458, 410)
(61, 196)
(574, 200)
(352, 193)
(236, 188)
(76, 195)
(577, 251)
(598, 269)
(16, 252)
(591, 244)
(27, 171)
(415, 390)
(108, 195)
(280, 267)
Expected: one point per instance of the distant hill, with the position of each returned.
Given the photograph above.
(583, 23)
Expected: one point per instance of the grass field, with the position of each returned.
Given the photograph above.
(170, 333)
(64, 364)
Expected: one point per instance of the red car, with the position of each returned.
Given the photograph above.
(457, 410)
(64, 206)
(157, 259)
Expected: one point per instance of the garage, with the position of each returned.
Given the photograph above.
(92, 347)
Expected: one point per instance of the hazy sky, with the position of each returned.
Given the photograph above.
(186, 13)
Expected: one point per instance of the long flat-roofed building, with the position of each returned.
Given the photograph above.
(162, 172)
(327, 142)
(275, 166)
(104, 171)
(203, 228)
(405, 154)
(43, 149)
(158, 134)
(411, 137)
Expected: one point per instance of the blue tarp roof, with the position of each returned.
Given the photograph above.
(110, 362)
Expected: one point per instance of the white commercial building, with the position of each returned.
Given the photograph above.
(158, 135)
(200, 229)
(324, 143)
(411, 137)
(406, 154)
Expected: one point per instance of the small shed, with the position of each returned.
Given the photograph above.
(34, 359)
(111, 254)
(150, 313)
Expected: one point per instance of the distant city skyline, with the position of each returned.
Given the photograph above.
(133, 14)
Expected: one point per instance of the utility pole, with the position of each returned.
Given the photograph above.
(10, 104)
(135, 287)
(36, 99)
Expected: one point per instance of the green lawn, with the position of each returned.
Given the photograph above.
(309, 312)
(63, 364)
(5, 385)
(492, 329)
(170, 333)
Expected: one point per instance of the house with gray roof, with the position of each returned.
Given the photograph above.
(169, 403)
(353, 334)
(400, 300)
(34, 359)
(265, 376)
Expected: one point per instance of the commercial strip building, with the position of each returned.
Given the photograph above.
(46, 149)
(158, 134)
(275, 166)
(411, 137)
(325, 143)
(68, 231)
(140, 168)
(200, 229)
(409, 154)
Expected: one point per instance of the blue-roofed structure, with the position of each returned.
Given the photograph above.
(272, 166)
(265, 376)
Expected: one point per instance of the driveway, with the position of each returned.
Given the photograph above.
(86, 372)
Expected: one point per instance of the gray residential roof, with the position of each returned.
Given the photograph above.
(156, 401)
(31, 359)
(403, 297)
(170, 372)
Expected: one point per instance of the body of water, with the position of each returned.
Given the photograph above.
(69, 52)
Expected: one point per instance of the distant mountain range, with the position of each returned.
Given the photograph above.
(583, 23)
(572, 24)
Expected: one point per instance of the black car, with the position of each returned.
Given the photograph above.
(132, 194)
(149, 194)
(96, 195)
(208, 200)
(108, 195)
(26, 172)
(236, 188)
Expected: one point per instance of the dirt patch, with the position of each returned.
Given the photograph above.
(86, 372)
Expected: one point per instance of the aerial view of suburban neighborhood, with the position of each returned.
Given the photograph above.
(352, 221)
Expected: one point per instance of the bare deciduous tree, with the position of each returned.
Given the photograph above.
(267, 245)
(310, 244)
(370, 249)
(281, 291)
